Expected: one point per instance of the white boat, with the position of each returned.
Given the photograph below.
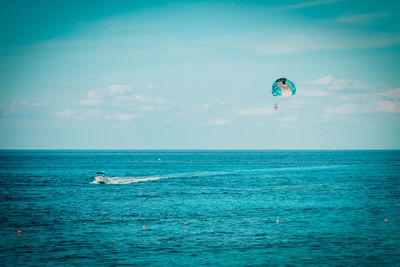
(101, 178)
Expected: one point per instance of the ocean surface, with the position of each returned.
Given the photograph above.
(331, 207)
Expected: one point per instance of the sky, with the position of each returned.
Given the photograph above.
(198, 74)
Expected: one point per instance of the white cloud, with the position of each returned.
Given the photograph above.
(295, 117)
(159, 100)
(389, 106)
(152, 86)
(351, 108)
(91, 102)
(309, 4)
(91, 114)
(65, 113)
(343, 109)
(361, 18)
(299, 40)
(133, 98)
(145, 108)
(205, 107)
(93, 94)
(24, 102)
(123, 89)
(392, 93)
(255, 111)
(119, 89)
(298, 103)
(93, 99)
(329, 82)
(323, 80)
(139, 98)
(340, 84)
(124, 94)
(218, 122)
(366, 102)
(13, 107)
(125, 116)
(315, 93)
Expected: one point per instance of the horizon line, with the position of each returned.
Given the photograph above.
(199, 149)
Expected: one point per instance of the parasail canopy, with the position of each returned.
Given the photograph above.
(283, 87)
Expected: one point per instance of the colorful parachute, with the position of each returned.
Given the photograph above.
(283, 87)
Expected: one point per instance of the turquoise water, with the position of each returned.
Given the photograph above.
(331, 207)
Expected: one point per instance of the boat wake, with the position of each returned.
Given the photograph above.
(126, 180)
(131, 180)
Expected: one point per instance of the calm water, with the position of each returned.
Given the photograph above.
(331, 207)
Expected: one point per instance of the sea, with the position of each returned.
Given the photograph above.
(200, 208)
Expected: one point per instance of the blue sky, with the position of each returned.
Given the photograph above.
(198, 75)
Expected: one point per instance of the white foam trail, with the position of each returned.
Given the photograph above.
(129, 180)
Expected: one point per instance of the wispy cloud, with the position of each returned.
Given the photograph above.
(366, 103)
(343, 109)
(125, 116)
(292, 118)
(309, 4)
(20, 106)
(323, 80)
(123, 89)
(151, 86)
(125, 94)
(293, 41)
(255, 112)
(329, 82)
(361, 18)
(93, 98)
(145, 108)
(134, 98)
(390, 102)
(122, 99)
(89, 114)
(24, 102)
(119, 89)
(65, 113)
(392, 93)
(389, 106)
(205, 107)
(219, 122)
(312, 93)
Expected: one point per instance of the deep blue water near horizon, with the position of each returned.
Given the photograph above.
(331, 207)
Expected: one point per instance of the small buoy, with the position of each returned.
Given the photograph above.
(277, 221)
(185, 223)
(159, 159)
(144, 227)
(19, 232)
(386, 220)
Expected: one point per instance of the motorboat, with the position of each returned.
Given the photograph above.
(101, 178)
